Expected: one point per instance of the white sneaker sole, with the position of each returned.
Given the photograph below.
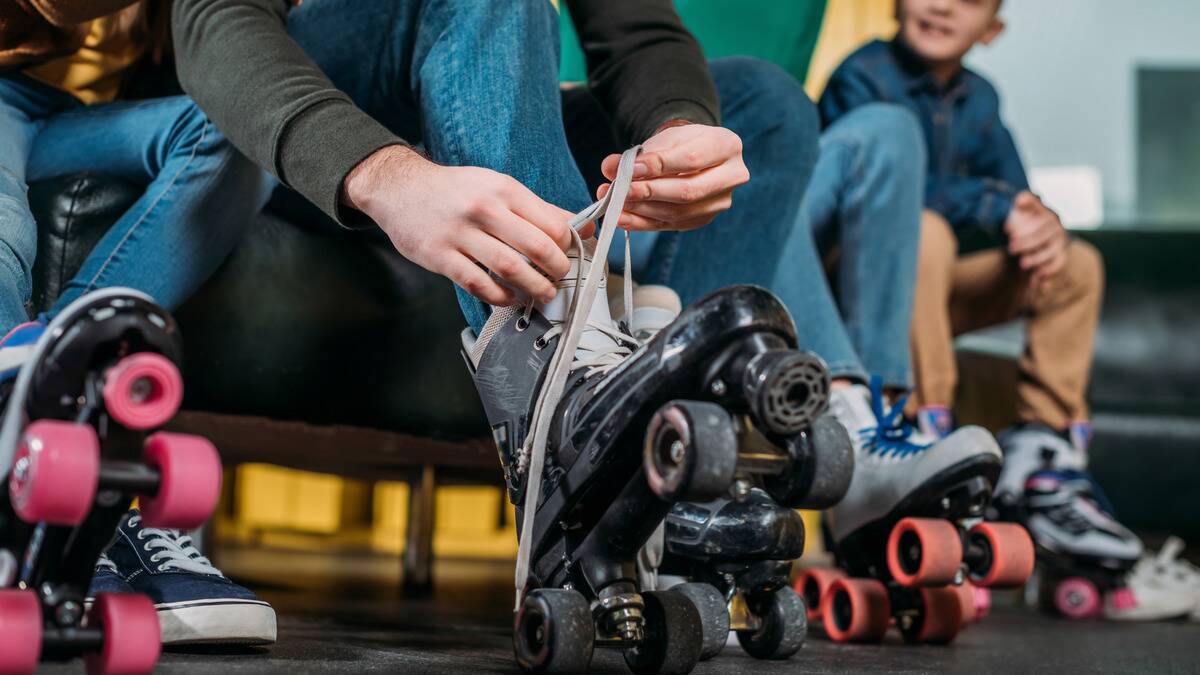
(242, 622)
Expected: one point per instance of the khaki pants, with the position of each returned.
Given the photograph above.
(955, 295)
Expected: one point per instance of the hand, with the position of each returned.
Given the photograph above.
(683, 179)
(1036, 237)
(450, 220)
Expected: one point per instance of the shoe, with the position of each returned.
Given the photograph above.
(1068, 515)
(106, 579)
(1144, 600)
(1168, 571)
(893, 461)
(16, 348)
(1029, 448)
(196, 604)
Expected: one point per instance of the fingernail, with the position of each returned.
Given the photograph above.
(640, 170)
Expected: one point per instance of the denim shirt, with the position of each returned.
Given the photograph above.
(974, 170)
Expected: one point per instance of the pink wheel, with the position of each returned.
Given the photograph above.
(21, 626)
(53, 479)
(143, 391)
(983, 601)
(812, 585)
(190, 482)
(1077, 598)
(132, 640)
(924, 552)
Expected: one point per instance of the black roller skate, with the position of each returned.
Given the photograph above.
(599, 435)
(737, 552)
(75, 452)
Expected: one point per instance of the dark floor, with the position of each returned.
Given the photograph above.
(344, 614)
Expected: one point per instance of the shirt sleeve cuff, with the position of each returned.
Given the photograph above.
(681, 109)
(319, 148)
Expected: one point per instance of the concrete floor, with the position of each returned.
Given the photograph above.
(343, 614)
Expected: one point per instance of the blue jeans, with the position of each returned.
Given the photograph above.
(473, 83)
(778, 126)
(200, 192)
(862, 211)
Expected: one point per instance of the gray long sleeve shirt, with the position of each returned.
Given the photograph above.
(237, 61)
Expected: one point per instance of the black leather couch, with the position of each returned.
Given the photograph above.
(321, 349)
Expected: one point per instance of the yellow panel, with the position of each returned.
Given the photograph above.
(847, 25)
(390, 509)
(468, 524)
(273, 497)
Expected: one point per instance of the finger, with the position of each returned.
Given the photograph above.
(531, 242)
(667, 212)
(1034, 237)
(475, 280)
(505, 263)
(1040, 257)
(635, 223)
(691, 188)
(543, 215)
(1026, 200)
(694, 154)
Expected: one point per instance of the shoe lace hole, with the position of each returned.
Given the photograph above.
(540, 343)
(522, 324)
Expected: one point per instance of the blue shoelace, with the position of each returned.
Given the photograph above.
(891, 435)
(1093, 489)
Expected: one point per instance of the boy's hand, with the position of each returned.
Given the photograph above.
(1036, 237)
(683, 179)
(450, 220)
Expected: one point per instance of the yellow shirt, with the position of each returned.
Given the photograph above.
(95, 72)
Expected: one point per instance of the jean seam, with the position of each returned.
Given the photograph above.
(91, 285)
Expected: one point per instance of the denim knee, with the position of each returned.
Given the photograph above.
(18, 233)
(770, 98)
(888, 132)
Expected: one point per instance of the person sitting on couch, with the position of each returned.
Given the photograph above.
(63, 66)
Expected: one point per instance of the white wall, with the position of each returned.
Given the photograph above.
(1066, 74)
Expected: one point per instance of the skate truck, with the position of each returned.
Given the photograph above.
(76, 451)
(599, 435)
(912, 564)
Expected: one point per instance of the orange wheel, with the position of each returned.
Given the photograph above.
(966, 601)
(1009, 559)
(924, 552)
(938, 619)
(856, 610)
(812, 584)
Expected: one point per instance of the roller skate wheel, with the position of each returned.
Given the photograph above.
(714, 615)
(1010, 554)
(966, 601)
(812, 585)
(938, 619)
(21, 626)
(53, 479)
(1077, 598)
(924, 552)
(690, 451)
(983, 601)
(189, 483)
(784, 625)
(554, 632)
(143, 391)
(856, 610)
(673, 637)
(132, 641)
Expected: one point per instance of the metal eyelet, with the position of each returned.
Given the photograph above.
(522, 324)
(540, 343)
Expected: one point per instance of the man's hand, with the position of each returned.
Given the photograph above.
(451, 220)
(683, 179)
(1036, 238)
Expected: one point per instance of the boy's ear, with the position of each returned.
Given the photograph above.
(994, 29)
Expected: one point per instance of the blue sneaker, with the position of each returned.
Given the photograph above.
(17, 346)
(107, 579)
(196, 603)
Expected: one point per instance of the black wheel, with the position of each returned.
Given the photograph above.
(822, 466)
(673, 638)
(784, 625)
(714, 616)
(554, 632)
(690, 451)
(786, 389)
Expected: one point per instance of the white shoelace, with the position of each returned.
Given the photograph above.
(172, 550)
(565, 360)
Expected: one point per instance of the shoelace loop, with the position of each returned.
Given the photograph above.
(892, 433)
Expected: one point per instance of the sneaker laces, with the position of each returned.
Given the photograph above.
(565, 360)
(891, 436)
(172, 550)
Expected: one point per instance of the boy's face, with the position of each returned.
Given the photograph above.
(941, 31)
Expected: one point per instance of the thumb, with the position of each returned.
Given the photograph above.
(1025, 200)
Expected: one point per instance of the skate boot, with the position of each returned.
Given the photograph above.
(75, 453)
(909, 530)
(599, 435)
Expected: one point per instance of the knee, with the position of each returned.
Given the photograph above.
(1084, 269)
(890, 134)
(18, 231)
(774, 98)
(939, 246)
